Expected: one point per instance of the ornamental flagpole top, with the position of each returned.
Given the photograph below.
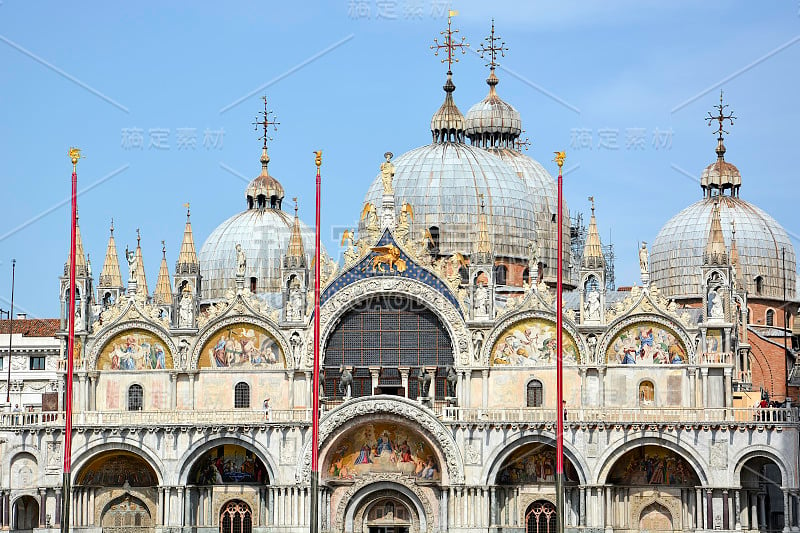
(75, 155)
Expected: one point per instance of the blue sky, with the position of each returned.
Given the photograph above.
(580, 73)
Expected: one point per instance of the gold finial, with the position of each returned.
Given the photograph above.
(491, 49)
(318, 158)
(591, 199)
(112, 226)
(559, 159)
(265, 122)
(295, 205)
(75, 155)
(449, 44)
(138, 237)
(188, 212)
(164, 248)
(483, 204)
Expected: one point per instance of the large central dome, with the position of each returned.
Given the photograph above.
(446, 181)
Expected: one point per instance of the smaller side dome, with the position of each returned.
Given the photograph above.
(264, 191)
(492, 122)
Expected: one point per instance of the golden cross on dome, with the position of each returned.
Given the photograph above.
(721, 116)
(492, 50)
(449, 44)
(265, 122)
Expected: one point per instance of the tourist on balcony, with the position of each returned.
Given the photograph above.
(267, 412)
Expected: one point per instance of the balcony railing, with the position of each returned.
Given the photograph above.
(607, 416)
(640, 415)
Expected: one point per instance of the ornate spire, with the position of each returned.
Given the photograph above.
(492, 49)
(81, 268)
(483, 246)
(163, 292)
(187, 258)
(295, 255)
(447, 124)
(593, 249)
(141, 279)
(265, 191)
(716, 253)
(735, 257)
(110, 276)
(721, 175)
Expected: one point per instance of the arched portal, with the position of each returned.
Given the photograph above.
(122, 488)
(236, 517)
(762, 505)
(25, 514)
(540, 517)
(126, 513)
(388, 515)
(655, 517)
(653, 488)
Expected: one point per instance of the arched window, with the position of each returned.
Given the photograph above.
(500, 274)
(135, 397)
(759, 284)
(236, 517)
(534, 393)
(241, 396)
(647, 393)
(526, 276)
(253, 283)
(540, 517)
(770, 317)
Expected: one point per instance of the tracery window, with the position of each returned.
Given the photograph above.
(540, 517)
(236, 517)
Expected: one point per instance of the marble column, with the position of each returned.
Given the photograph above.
(709, 509)
(42, 507)
(762, 511)
(726, 515)
(737, 506)
(728, 389)
(704, 384)
(466, 386)
(57, 518)
(5, 502)
(582, 504)
(493, 507)
(93, 391)
(754, 522)
(698, 507)
(787, 513)
(692, 387)
(601, 382)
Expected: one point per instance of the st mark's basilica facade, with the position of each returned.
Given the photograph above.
(438, 364)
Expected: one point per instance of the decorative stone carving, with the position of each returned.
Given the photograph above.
(401, 407)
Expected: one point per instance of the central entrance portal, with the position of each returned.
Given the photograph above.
(388, 516)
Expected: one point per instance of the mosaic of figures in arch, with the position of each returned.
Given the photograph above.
(379, 447)
(646, 343)
(241, 346)
(533, 463)
(652, 465)
(532, 342)
(135, 350)
(118, 469)
(228, 463)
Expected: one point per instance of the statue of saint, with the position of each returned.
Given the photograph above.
(644, 261)
(186, 311)
(241, 261)
(133, 263)
(387, 173)
(346, 383)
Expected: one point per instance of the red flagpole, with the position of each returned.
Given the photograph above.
(315, 371)
(75, 155)
(559, 356)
